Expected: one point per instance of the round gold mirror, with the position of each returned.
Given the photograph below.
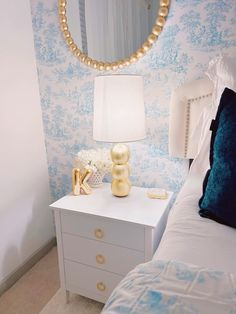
(111, 34)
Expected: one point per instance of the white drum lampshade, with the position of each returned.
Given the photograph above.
(119, 116)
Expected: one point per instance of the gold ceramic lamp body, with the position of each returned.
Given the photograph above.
(120, 185)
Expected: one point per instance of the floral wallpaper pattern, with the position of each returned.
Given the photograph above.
(196, 31)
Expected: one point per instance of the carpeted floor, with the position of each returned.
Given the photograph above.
(38, 292)
(77, 305)
(32, 291)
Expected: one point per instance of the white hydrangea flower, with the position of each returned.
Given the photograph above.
(97, 159)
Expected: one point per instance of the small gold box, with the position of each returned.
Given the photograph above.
(157, 193)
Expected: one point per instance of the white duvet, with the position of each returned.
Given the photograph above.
(169, 287)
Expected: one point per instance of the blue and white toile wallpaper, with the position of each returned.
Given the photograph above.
(196, 30)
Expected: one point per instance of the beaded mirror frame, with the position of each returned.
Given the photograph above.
(102, 65)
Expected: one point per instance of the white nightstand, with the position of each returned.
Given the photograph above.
(100, 238)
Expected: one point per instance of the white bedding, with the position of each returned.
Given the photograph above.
(188, 237)
(194, 268)
(168, 287)
(192, 239)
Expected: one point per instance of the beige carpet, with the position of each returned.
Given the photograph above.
(35, 289)
(37, 292)
(77, 305)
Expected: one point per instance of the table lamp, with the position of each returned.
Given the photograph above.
(119, 116)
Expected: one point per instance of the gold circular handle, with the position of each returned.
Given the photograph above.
(101, 286)
(99, 234)
(100, 259)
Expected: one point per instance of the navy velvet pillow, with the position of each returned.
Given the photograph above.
(219, 187)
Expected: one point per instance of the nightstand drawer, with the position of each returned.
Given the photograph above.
(105, 230)
(101, 255)
(90, 279)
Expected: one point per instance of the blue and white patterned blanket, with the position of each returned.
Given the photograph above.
(170, 287)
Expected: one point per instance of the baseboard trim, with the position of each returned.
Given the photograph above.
(29, 263)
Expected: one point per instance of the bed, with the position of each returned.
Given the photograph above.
(194, 268)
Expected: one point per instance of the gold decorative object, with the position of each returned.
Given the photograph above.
(75, 181)
(157, 193)
(99, 65)
(100, 259)
(120, 185)
(101, 286)
(79, 181)
(99, 234)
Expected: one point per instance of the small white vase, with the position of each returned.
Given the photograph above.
(95, 181)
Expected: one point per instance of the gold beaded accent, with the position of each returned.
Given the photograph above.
(99, 65)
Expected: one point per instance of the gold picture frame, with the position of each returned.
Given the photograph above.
(101, 65)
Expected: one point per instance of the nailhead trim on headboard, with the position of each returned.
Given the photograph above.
(188, 116)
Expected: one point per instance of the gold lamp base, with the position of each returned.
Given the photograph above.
(120, 185)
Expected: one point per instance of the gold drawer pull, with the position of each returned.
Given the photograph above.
(100, 259)
(99, 234)
(101, 286)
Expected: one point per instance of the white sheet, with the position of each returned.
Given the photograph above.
(192, 239)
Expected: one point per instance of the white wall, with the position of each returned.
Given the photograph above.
(26, 223)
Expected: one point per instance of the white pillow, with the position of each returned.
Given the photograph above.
(201, 163)
(222, 72)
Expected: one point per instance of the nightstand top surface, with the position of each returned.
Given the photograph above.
(137, 207)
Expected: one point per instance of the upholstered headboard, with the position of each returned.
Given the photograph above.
(186, 106)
